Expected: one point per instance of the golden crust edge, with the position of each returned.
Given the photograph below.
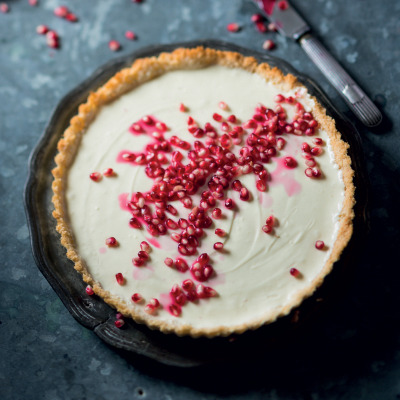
(141, 71)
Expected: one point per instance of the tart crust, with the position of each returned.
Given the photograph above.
(146, 69)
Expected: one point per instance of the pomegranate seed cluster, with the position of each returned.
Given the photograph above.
(223, 150)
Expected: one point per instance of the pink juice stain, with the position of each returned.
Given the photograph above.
(268, 6)
(143, 273)
(283, 175)
(102, 250)
(154, 242)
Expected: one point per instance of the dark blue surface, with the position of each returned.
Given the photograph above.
(353, 351)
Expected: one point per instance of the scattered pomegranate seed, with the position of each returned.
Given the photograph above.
(108, 172)
(218, 246)
(120, 278)
(220, 232)
(295, 272)
(309, 172)
(137, 1)
(144, 246)
(169, 262)
(233, 27)
(268, 44)
(223, 106)
(135, 223)
(137, 298)
(61, 11)
(149, 309)
(4, 8)
(279, 98)
(111, 242)
(181, 265)
(175, 310)
(270, 220)
(257, 18)
(89, 290)
(236, 185)
(319, 244)
(267, 228)
(316, 151)
(52, 40)
(130, 35)
(71, 17)
(229, 204)
(95, 176)
(216, 213)
(261, 186)
(283, 5)
(318, 141)
(119, 323)
(272, 27)
(42, 29)
(143, 255)
(182, 108)
(290, 162)
(114, 45)
(244, 194)
(217, 117)
(261, 27)
(33, 3)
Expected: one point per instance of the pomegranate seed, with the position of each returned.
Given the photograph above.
(89, 290)
(295, 272)
(233, 27)
(236, 185)
(171, 224)
(270, 220)
(280, 143)
(216, 213)
(210, 292)
(181, 265)
(149, 309)
(130, 35)
(200, 292)
(290, 162)
(309, 172)
(95, 176)
(311, 162)
(4, 8)
(279, 98)
(169, 262)
(229, 204)
(120, 278)
(318, 141)
(319, 244)
(154, 303)
(220, 232)
(119, 323)
(187, 285)
(232, 119)
(108, 172)
(217, 117)
(111, 242)
(175, 310)
(176, 237)
(268, 44)
(114, 45)
(52, 40)
(257, 18)
(261, 186)
(144, 246)
(137, 298)
(267, 228)
(61, 11)
(316, 173)
(137, 261)
(261, 27)
(182, 108)
(218, 246)
(283, 5)
(306, 147)
(135, 223)
(223, 106)
(42, 29)
(316, 151)
(143, 255)
(203, 258)
(272, 27)
(183, 223)
(171, 209)
(71, 17)
(244, 194)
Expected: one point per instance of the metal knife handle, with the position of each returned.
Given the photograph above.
(357, 100)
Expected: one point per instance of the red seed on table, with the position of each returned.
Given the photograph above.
(4, 8)
(108, 172)
(33, 3)
(233, 27)
(290, 162)
(71, 17)
(283, 5)
(223, 106)
(144, 246)
(130, 35)
(268, 44)
(89, 290)
(267, 228)
(295, 272)
(136, 298)
(319, 244)
(257, 18)
(220, 232)
(42, 29)
(111, 242)
(95, 176)
(61, 11)
(169, 262)
(120, 278)
(119, 323)
(218, 246)
(114, 45)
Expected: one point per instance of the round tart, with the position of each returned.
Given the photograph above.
(202, 193)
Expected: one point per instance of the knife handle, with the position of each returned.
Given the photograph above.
(357, 100)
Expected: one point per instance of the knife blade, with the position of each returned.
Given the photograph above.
(290, 24)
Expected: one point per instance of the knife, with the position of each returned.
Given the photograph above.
(290, 24)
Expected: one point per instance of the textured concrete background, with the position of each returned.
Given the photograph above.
(354, 352)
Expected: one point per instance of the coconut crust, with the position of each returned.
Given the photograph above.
(144, 70)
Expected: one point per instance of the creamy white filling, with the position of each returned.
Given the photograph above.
(252, 276)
